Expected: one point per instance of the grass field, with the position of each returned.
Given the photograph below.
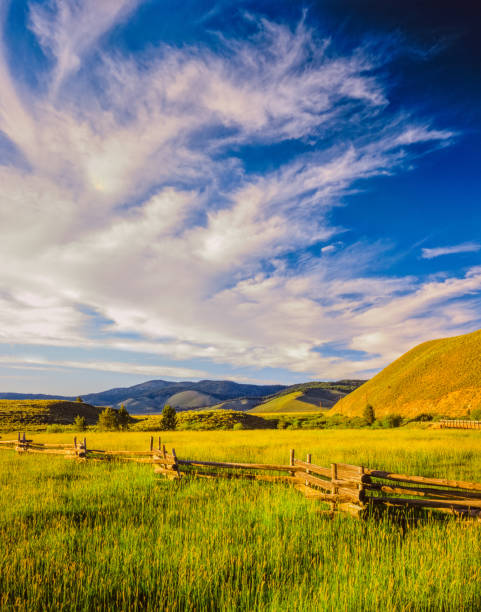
(93, 535)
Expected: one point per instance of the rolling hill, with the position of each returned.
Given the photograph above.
(307, 397)
(32, 413)
(439, 377)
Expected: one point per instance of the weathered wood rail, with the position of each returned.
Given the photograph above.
(459, 424)
(346, 488)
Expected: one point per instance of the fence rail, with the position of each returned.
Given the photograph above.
(346, 488)
(459, 424)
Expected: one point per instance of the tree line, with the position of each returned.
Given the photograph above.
(111, 419)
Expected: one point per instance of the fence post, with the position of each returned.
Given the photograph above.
(362, 494)
(291, 456)
(151, 443)
(159, 444)
(334, 477)
(176, 465)
(308, 460)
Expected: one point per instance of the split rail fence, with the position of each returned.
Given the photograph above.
(459, 424)
(346, 488)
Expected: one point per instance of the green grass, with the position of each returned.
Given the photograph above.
(438, 377)
(98, 536)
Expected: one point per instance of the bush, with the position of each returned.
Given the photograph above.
(475, 414)
(79, 399)
(368, 414)
(79, 423)
(169, 418)
(423, 418)
(123, 418)
(393, 420)
(238, 427)
(108, 420)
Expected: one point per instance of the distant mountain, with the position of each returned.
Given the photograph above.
(151, 396)
(439, 377)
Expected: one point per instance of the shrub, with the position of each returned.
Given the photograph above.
(238, 427)
(475, 414)
(368, 414)
(393, 420)
(169, 418)
(79, 423)
(123, 417)
(424, 417)
(79, 399)
(108, 420)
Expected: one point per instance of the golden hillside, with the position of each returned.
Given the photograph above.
(40, 413)
(437, 377)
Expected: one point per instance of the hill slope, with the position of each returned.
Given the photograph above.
(16, 414)
(437, 377)
(307, 397)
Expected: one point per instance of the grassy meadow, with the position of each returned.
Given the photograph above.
(98, 535)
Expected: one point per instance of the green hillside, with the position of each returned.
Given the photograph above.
(307, 397)
(440, 377)
(290, 402)
(37, 414)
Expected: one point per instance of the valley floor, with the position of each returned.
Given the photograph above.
(114, 536)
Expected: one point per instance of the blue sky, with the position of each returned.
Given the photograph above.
(260, 191)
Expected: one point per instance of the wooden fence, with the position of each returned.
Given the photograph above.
(459, 424)
(346, 488)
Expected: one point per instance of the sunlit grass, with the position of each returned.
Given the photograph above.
(100, 535)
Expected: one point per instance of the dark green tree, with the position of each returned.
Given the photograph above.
(108, 420)
(123, 417)
(393, 420)
(79, 423)
(368, 414)
(169, 418)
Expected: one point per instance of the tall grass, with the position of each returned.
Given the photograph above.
(113, 536)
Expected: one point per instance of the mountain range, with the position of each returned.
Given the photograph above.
(151, 396)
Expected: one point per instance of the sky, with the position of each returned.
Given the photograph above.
(256, 191)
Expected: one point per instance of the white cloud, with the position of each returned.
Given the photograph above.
(68, 29)
(465, 247)
(37, 363)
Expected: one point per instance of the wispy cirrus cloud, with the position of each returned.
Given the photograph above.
(465, 247)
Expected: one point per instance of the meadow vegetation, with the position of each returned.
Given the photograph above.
(112, 535)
